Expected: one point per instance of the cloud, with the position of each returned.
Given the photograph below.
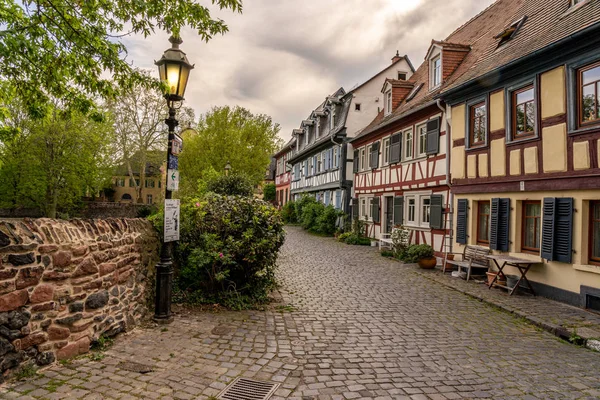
(282, 58)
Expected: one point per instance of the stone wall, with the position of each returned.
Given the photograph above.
(65, 283)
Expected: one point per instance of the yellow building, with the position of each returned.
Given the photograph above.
(150, 186)
(525, 130)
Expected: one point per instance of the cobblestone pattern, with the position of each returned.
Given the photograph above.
(352, 325)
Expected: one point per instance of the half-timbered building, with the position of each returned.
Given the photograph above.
(525, 123)
(320, 164)
(283, 175)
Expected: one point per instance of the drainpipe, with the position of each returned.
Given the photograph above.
(448, 222)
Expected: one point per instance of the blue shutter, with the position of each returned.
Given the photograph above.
(500, 224)
(315, 171)
(327, 194)
(461, 221)
(436, 212)
(557, 229)
(338, 199)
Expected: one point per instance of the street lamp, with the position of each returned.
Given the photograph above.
(174, 70)
(227, 168)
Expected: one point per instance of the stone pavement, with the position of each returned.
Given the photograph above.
(352, 325)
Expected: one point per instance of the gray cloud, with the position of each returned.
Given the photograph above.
(283, 57)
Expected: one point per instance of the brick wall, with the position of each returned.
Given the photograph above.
(65, 283)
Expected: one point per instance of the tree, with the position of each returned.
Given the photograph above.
(228, 134)
(140, 130)
(270, 192)
(62, 50)
(50, 163)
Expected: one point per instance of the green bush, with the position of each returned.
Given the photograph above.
(417, 252)
(288, 213)
(387, 253)
(228, 250)
(344, 236)
(270, 192)
(303, 202)
(358, 240)
(325, 223)
(232, 185)
(310, 214)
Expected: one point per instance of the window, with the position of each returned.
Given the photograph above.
(335, 157)
(510, 32)
(594, 251)
(368, 155)
(386, 151)
(332, 117)
(422, 132)
(531, 226)
(149, 199)
(319, 165)
(413, 92)
(401, 76)
(357, 107)
(362, 159)
(388, 102)
(436, 71)
(477, 125)
(310, 170)
(523, 113)
(318, 126)
(483, 222)
(363, 208)
(589, 86)
(425, 210)
(120, 182)
(412, 209)
(149, 183)
(408, 144)
(370, 209)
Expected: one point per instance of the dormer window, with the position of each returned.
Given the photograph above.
(436, 71)
(318, 127)
(510, 32)
(332, 118)
(413, 92)
(388, 102)
(401, 76)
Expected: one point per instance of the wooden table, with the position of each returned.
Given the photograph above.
(521, 264)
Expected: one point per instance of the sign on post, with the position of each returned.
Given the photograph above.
(171, 220)
(176, 145)
(172, 180)
(173, 162)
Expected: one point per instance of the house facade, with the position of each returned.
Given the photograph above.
(283, 175)
(525, 123)
(320, 165)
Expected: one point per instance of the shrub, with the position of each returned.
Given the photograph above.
(232, 185)
(325, 223)
(358, 240)
(387, 253)
(145, 211)
(344, 236)
(310, 213)
(228, 249)
(270, 192)
(400, 241)
(302, 203)
(288, 213)
(417, 252)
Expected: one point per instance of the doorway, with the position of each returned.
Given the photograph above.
(389, 214)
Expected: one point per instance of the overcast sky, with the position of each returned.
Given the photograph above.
(282, 57)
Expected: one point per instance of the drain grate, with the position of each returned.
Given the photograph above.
(220, 330)
(134, 367)
(248, 389)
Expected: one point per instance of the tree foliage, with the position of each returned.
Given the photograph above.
(270, 192)
(63, 50)
(230, 185)
(227, 134)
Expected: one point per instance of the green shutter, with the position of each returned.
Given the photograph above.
(462, 211)
(375, 155)
(398, 210)
(436, 212)
(433, 136)
(375, 211)
(557, 229)
(355, 208)
(500, 224)
(395, 148)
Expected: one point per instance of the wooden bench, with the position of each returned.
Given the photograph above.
(386, 240)
(472, 257)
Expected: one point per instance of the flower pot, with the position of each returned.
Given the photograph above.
(500, 281)
(427, 263)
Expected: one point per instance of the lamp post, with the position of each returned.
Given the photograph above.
(227, 168)
(174, 70)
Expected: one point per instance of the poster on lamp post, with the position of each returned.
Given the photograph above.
(172, 180)
(171, 220)
(176, 145)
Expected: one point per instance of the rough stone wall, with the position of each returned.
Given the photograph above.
(65, 283)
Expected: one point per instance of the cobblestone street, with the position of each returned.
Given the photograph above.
(351, 325)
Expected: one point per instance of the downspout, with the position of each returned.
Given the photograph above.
(448, 222)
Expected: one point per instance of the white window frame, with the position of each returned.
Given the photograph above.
(425, 209)
(421, 136)
(422, 214)
(363, 208)
(386, 151)
(368, 154)
(406, 145)
(415, 216)
(362, 159)
(388, 102)
(335, 157)
(436, 73)
(332, 117)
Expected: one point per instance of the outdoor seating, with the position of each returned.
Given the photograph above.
(387, 241)
(473, 257)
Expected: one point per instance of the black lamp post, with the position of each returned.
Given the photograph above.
(227, 168)
(174, 70)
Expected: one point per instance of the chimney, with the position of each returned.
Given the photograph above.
(396, 58)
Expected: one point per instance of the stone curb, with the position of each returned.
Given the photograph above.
(592, 343)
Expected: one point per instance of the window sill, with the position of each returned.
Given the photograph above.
(583, 130)
(523, 140)
(476, 148)
(595, 269)
(417, 227)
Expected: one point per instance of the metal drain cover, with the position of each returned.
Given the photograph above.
(248, 389)
(220, 330)
(298, 342)
(134, 367)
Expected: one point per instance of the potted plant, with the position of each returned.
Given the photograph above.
(500, 281)
(423, 255)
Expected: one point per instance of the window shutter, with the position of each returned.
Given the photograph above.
(355, 165)
(461, 221)
(375, 155)
(433, 136)
(339, 154)
(557, 229)
(436, 212)
(398, 210)
(375, 210)
(338, 199)
(395, 147)
(327, 194)
(315, 165)
(355, 208)
(499, 224)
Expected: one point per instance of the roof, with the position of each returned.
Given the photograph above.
(446, 45)
(398, 59)
(289, 145)
(154, 159)
(548, 21)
